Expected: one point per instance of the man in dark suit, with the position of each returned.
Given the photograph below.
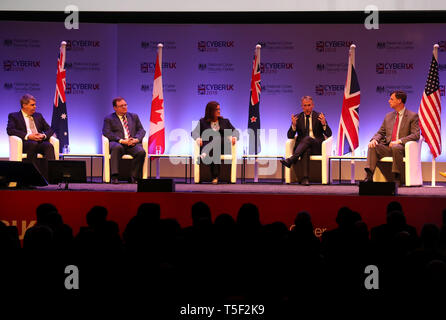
(398, 128)
(125, 133)
(311, 128)
(34, 131)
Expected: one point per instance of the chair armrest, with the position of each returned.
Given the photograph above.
(106, 153)
(196, 160)
(289, 146)
(326, 147)
(15, 148)
(55, 142)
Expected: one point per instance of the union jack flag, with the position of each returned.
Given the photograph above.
(254, 104)
(349, 122)
(430, 110)
(59, 122)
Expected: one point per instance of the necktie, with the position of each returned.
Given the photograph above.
(32, 124)
(307, 125)
(126, 125)
(395, 126)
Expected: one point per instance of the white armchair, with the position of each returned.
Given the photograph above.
(324, 158)
(224, 157)
(16, 149)
(106, 152)
(412, 160)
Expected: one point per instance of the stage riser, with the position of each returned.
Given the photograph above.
(18, 207)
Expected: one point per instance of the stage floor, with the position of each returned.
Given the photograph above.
(263, 188)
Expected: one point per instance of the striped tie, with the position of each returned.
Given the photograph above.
(126, 125)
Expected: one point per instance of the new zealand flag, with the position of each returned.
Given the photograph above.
(254, 103)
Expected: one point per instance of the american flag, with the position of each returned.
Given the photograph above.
(254, 103)
(349, 122)
(430, 110)
(156, 131)
(59, 121)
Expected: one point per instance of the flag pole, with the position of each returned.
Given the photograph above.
(256, 161)
(351, 58)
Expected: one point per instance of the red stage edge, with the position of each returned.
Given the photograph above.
(19, 207)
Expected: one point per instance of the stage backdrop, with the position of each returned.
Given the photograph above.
(213, 62)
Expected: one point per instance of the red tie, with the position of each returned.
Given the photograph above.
(395, 126)
(126, 125)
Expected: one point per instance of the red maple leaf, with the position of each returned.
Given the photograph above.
(157, 105)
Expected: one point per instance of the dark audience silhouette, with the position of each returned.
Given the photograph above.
(226, 260)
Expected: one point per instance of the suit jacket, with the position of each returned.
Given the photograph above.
(409, 128)
(114, 131)
(318, 129)
(203, 125)
(17, 125)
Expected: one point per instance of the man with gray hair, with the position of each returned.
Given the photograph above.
(32, 128)
(310, 127)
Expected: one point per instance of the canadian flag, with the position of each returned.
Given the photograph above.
(156, 131)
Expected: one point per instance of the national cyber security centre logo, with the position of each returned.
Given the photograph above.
(329, 89)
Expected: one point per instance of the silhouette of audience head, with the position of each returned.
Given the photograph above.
(394, 206)
(149, 211)
(347, 218)
(396, 219)
(303, 224)
(97, 216)
(45, 213)
(201, 214)
(248, 216)
(430, 236)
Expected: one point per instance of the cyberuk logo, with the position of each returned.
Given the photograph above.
(214, 89)
(275, 67)
(214, 46)
(81, 45)
(393, 68)
(81, 88)
(332, 45)
(20, 65)
(329, 89)
(149, 67)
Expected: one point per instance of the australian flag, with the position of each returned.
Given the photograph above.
(254, 103)
(59, 122)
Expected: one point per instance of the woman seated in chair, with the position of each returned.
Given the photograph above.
(214, 134)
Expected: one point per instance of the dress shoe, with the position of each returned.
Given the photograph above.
(114, 180)
(305, 182)
(285, 162)
(369, 177)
